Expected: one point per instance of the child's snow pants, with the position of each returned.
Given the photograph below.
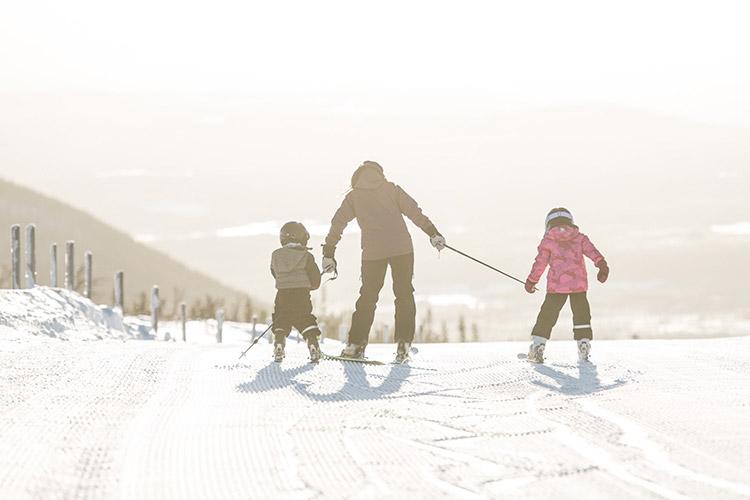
(293, 309)
(550, 310)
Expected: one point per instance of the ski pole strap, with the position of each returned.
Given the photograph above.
(335, 275)
(485, 264)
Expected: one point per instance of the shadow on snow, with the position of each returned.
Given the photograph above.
(587, 381)
(356, 385)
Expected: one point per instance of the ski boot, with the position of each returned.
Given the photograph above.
(584, 348)
(356, 351)
(402, 352)
(536, 351)
(314, 348)
(278, 349)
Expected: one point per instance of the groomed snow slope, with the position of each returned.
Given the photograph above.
(125, 418)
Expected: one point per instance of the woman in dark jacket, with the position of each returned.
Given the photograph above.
(379, 206)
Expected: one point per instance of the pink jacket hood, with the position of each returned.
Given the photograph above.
(563, 249)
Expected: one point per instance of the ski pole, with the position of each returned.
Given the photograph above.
(485, 264)
(256, 341)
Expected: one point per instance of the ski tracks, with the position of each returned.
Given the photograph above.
(166, 420)
(61, 425)
(641, 446)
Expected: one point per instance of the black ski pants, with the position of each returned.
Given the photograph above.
(293, 309)
(373, 277)
(550, 311)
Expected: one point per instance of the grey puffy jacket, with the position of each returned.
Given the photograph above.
(294, 267)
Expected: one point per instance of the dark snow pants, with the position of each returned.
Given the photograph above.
(551, 307)
(373, 277)
(293, 309)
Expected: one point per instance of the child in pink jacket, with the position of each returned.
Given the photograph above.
(562, 249)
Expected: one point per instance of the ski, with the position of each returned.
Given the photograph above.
(365, 361)
(525, 356)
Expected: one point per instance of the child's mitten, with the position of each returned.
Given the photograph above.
(603, 271)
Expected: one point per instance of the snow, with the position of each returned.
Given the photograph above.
(94, 406)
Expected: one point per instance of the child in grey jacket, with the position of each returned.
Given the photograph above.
(296, 274)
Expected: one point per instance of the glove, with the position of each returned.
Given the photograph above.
(530, 286)
(437, 241)
(603, 273)
(329, 265)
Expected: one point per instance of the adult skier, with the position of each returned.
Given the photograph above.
(379, 206)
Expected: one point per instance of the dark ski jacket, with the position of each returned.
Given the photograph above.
(379, 207)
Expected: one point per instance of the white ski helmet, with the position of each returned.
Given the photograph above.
(558, 216)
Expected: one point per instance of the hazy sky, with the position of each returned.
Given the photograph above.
(232, 99)
(687, 58)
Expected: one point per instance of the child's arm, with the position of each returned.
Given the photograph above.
(590, 251)
(313, 272)
(537, 269)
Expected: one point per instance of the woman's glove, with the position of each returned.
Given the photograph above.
(530, 286)
(329, 265)
(603, 273)
(437, 241)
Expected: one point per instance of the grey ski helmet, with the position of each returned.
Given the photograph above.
(294, 232)
(558, 216)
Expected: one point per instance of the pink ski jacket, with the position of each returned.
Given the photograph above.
(562, 249)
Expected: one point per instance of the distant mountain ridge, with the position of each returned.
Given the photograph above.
(112, 250)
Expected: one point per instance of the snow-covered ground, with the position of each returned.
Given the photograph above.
(94, 407)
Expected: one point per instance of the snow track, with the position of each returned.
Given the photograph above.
(149, 419)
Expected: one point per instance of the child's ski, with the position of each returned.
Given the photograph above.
(353, 360)
(525, 356)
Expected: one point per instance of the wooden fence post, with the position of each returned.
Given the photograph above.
(342, 333)
(219, 325)
(269, 322)
(88, 275)
(255, 323)
(155, 309)
(70, 268)
(386, 334)
(119, 292)
(183, 315)
(53, 265)
(15, 256)
(30, 256)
